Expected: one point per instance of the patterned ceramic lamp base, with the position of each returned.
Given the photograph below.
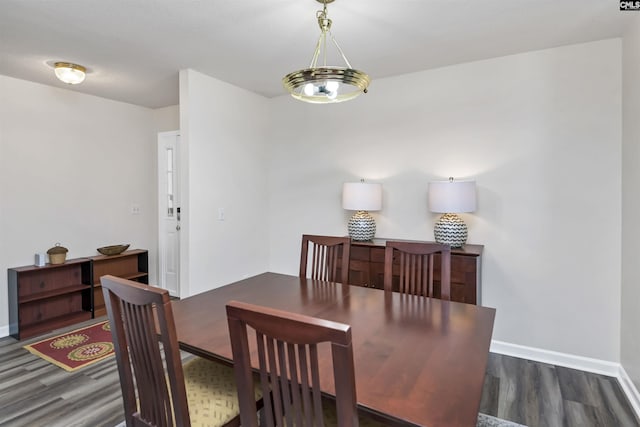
(362, 226)
(451, 230)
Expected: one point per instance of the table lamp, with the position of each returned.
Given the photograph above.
(361, 197)
(450, 198)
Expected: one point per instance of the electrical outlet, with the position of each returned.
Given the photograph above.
(220, 214)
(135, 209)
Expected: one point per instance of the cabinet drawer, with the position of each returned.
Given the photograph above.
(377, 255)
(358, 272)
(376, 272)
(360, 253)
(463, 269)
(459, 293)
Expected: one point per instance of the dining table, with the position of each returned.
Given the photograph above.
(418, 361)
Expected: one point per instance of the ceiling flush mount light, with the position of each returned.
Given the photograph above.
(69, 73)
(326, 84)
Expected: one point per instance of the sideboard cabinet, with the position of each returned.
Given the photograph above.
(366, 268)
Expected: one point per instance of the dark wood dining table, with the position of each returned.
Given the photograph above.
(418, 361)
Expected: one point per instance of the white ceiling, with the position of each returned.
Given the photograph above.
(135, 48)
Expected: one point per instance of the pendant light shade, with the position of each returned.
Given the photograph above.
(69, 73)
(326, 84)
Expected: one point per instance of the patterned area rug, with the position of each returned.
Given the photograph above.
(76, 349)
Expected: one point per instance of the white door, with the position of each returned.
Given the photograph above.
(168, 213)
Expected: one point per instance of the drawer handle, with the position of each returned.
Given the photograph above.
(41, 284)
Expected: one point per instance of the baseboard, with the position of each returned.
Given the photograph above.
(587, 364)
(4, 331)
(597, 366)
(630, 390)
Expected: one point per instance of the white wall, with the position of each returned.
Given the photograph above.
(71, 165)
(540, 132)
(167, 119)
(224, 146)
(631, 203)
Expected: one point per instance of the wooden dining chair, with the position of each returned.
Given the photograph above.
(201, 392)
(287, 355)
(415, 267)
(324, 257)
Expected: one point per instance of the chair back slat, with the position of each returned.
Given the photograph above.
(293, 378)
(143, 333)
(287, 352)
(153, 394)
(327, 255)
(415, 261)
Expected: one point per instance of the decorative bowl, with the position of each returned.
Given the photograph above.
(113, 249)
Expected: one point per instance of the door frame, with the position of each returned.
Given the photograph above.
(164, 138)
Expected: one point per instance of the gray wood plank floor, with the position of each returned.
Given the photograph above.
(36, 393)
(541, 395)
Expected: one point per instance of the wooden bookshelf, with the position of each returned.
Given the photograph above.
(42, 299)
(132, 265)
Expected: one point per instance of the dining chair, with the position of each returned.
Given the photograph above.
(287, 346)
(324, 256)
(154, 393)
(415, 266)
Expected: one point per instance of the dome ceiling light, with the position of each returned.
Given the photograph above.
(69, 73)
(326, 84)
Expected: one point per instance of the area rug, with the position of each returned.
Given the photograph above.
(76, 349)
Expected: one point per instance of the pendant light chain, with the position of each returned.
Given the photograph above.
(344, 57)
(316, 53)
(325, 27)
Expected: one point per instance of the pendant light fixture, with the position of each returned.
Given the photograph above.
(326, 84)
(69, 73)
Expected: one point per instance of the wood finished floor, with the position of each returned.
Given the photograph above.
(35, 393)
(541, 395)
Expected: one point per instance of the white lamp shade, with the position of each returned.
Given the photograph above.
(452, 196)
(362, 196)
